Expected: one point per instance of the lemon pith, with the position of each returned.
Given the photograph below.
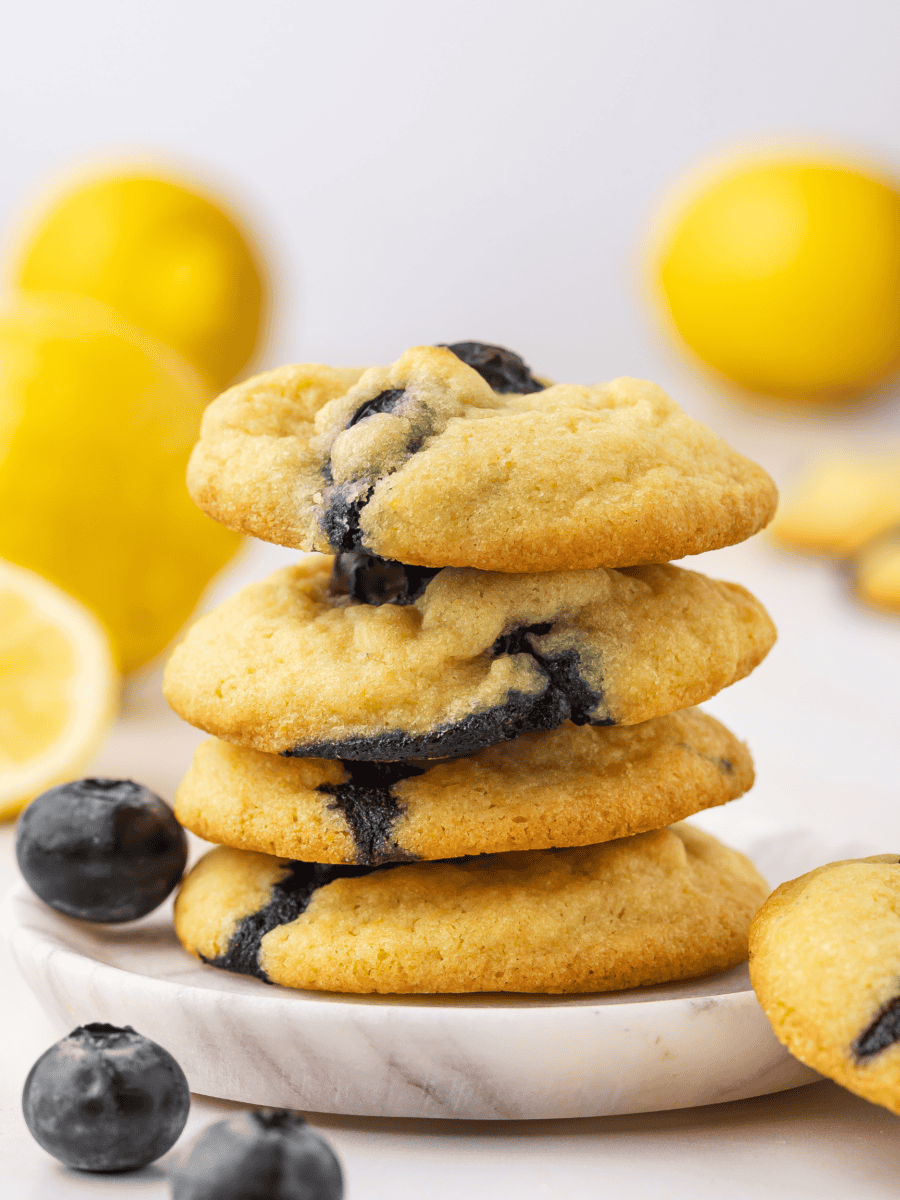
(58, 686)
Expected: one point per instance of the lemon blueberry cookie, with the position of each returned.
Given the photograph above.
(571, 786)
(825, 965)
(841, 504)
(296, 665)
(876, 572)
(667, 904)
(459, 456)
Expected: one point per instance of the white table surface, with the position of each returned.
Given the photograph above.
(821, 719)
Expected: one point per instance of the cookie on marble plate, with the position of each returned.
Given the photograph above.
(572, 786)
(464, 659)
(459, 456)
(669, 904)
(825, 965)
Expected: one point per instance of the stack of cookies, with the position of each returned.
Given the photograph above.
(449, 748)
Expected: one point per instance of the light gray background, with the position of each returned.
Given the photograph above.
(433, 171)
(427, 172)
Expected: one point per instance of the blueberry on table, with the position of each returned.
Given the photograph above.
(106, 1099)
(259, 1155)
(101, 849)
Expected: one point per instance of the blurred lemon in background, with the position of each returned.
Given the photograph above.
(96, 424)
(785, 277)
(58, 686)
(168, 259)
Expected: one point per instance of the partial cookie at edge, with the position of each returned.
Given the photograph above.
(825, 965)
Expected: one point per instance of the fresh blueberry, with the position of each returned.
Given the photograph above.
(258, 1156)
(505, 371)
(106, 1099)
(374, 580)
(101, 849)
(384, 402)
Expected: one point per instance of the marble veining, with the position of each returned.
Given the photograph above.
(483, 1057)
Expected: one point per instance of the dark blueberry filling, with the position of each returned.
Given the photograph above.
(883, 1032)
(371, 809)
(290, 897)
(344, 502)
(343, 508)
(567, 696)
(566, 679)
(374, 580)
(384, 402)
(521, 713)
(516, 641)
(562, 671)
(502, 369)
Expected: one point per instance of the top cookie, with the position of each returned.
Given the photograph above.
(435, 462)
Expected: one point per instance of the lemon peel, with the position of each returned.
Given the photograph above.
(171, 260)
(97, 421)
(782, 273)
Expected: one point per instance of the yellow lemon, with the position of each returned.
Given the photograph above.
(96, 424)
(58, 686)
(784, 275)
(170, 260)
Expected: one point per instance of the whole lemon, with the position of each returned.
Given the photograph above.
(784, 275)
(170, 260)
(96, 424)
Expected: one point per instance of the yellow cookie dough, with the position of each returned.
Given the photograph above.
(571, 786)
(669, 904)
(425, 463)
(825, 964)
(288, 666)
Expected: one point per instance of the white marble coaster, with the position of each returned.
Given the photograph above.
(482, 1057)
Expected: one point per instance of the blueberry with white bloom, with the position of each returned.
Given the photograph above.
(106, 850)
(106, 1099)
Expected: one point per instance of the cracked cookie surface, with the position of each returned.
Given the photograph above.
(669, 904)
(825, 965)
(572, 786)
(291, 666)
(426, 463)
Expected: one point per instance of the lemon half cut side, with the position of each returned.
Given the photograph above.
(58, 686)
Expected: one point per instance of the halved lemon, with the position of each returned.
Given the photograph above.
(58, 686)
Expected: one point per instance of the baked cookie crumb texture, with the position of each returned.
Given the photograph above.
(291, 666)
(437, 461)
(452, 750)
(571, 786)
(664, 905)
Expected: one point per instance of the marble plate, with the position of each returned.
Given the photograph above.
(482, 1057)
